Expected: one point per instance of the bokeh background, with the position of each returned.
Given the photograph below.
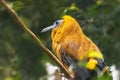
(20, 56)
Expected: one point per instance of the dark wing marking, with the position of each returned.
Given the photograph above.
(81, 73)
(66, 58)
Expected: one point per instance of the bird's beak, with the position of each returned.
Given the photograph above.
(56, 23)
(48, 28)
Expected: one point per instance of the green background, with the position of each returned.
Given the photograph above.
(20, 56)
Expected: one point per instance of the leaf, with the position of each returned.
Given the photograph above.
(17, 5)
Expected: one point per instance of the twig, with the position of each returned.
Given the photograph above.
(21, 23)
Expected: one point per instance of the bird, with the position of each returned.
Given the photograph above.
(78, 53)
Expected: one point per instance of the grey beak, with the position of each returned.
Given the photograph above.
(48, 28)
(56, 23)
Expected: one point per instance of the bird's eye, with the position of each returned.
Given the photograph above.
(58, 22)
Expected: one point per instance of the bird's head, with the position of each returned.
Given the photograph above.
(66, 21)
(55, 25)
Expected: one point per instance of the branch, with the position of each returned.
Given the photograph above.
(21, 23)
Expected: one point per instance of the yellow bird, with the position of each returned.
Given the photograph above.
(74, 49)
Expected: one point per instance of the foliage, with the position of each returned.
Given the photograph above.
(22, 59)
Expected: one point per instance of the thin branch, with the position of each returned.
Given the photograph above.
(21, 23)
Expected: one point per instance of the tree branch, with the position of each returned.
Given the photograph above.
(21, 23)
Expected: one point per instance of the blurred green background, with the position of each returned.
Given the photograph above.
(20, 56)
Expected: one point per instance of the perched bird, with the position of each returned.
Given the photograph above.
(74, 49)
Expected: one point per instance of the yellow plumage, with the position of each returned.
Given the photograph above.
(70, 37)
